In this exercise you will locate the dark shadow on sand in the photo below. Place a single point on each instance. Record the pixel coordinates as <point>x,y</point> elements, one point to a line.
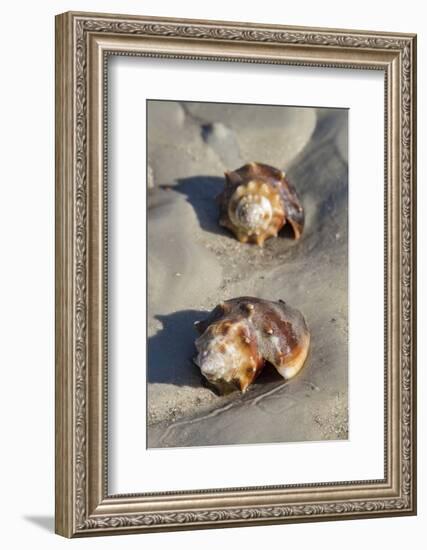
<point>202,192</point>
<point>171,351</point>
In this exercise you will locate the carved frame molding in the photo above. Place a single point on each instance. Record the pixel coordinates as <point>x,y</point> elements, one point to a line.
<point>83,43</point>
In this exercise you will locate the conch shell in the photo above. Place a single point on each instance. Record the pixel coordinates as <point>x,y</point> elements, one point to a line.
<point>257,202</point>
<point>241,334</point>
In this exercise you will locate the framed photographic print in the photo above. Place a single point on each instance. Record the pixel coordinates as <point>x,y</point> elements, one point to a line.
<point>201,261</point>
<point>235,274</point>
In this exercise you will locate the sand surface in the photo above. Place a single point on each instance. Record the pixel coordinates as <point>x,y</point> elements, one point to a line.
<point>194,264</point>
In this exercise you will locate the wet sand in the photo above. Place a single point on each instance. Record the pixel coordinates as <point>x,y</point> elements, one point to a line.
<point>194,264</point>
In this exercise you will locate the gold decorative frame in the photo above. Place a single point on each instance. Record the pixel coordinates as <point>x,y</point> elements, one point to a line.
<point>83,43</point>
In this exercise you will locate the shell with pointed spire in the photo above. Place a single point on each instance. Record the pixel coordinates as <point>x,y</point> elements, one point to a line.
<point>240,335</point>
<point>257,202</point>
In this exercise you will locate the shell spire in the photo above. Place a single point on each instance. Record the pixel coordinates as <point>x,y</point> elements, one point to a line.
<point>256,203</point>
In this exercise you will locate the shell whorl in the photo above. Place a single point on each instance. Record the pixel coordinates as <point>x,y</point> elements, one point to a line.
<point>252,208</point>
<point>241,334</point>
<point>257,202</point>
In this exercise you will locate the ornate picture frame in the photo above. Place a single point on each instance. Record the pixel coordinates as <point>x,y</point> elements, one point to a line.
<point>84,506</point>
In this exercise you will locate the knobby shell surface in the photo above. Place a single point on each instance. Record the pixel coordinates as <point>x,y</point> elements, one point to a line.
<point>257,201</point>
<point>240,335</point>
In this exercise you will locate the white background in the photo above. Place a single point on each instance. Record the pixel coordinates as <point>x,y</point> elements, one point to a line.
<point>362,456</point>
<point>27,274</point>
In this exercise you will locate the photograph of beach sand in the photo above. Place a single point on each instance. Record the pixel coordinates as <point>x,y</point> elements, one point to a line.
<point>196,263</point>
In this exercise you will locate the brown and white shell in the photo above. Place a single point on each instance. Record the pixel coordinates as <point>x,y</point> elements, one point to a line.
<point>257,201</point>
<point>240,335</point>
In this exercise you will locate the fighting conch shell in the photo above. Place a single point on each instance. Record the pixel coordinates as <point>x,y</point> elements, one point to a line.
<point>240,335</point>
<point>256,203</point>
